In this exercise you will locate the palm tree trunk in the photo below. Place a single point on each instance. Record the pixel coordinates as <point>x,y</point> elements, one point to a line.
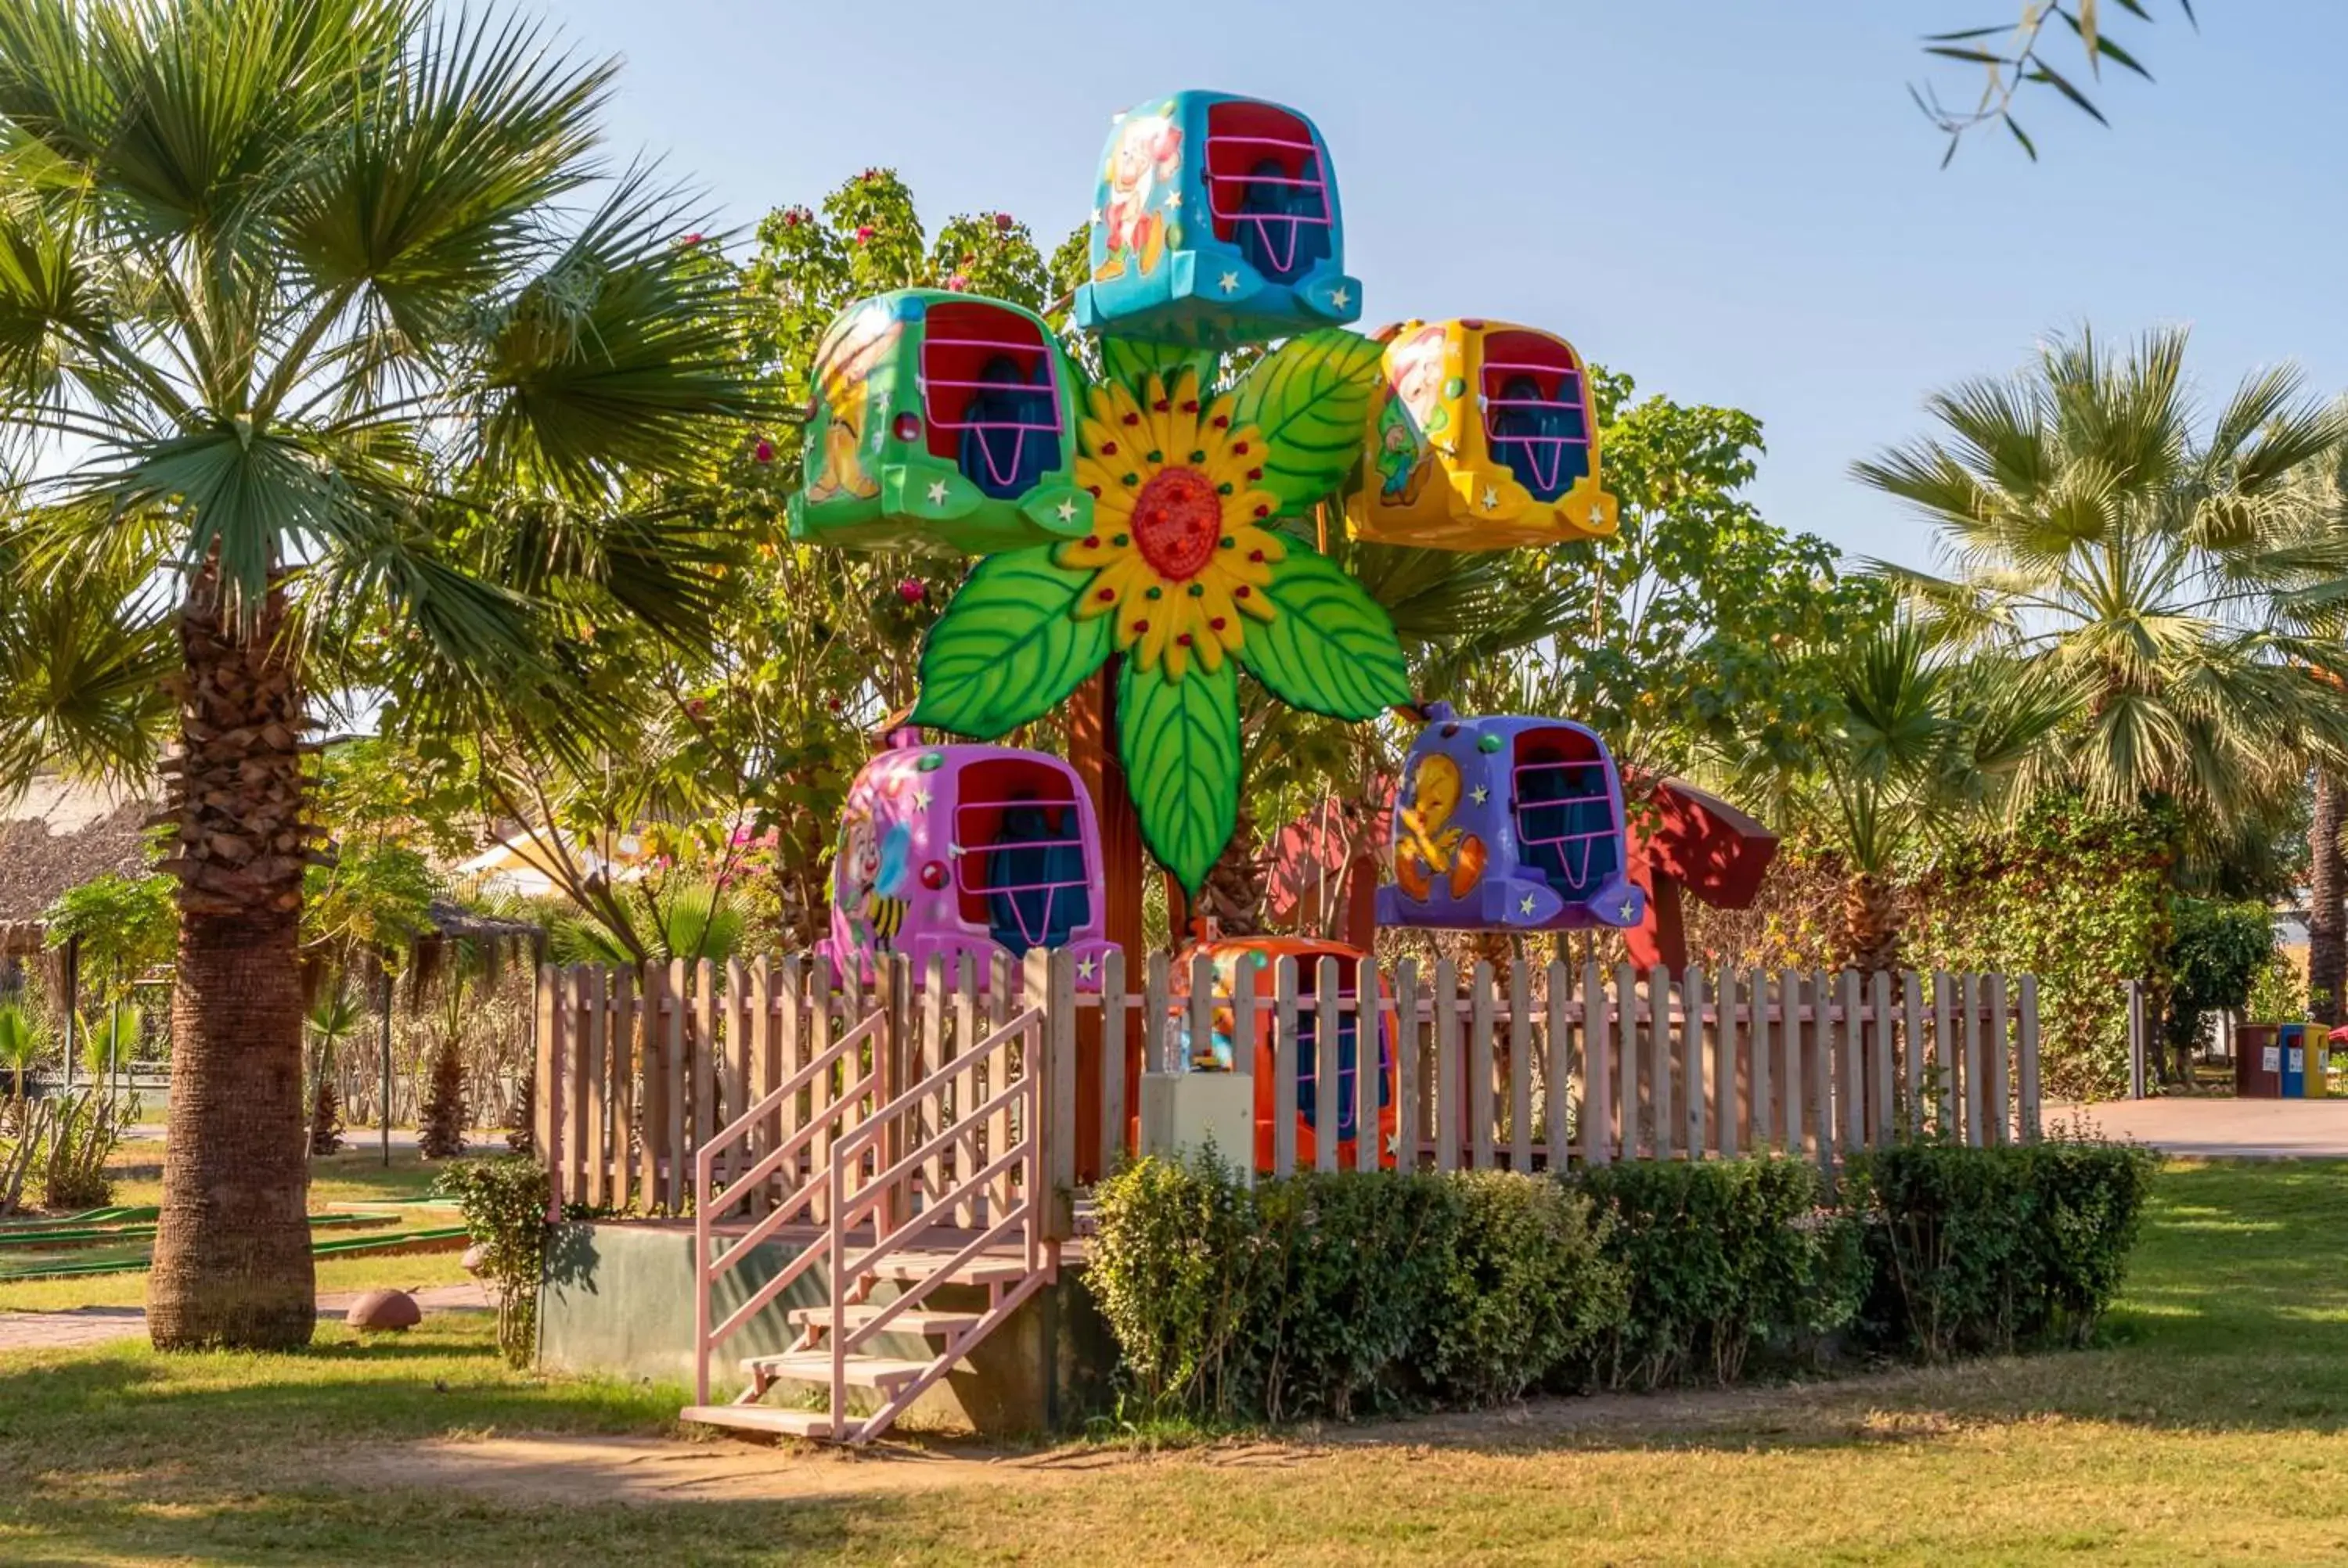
<point>1233,894</point>
<point>2327,932</point>
<point>232,1263</point>
<point>1870,920</point>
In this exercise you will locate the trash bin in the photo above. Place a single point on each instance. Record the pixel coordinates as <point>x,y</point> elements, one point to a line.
<point>2258,1061</point>
<point>2293,1039</point>
<point>2319,1063</point>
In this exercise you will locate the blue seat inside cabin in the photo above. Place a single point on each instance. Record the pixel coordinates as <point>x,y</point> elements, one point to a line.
<point>1546,447</point>
<point>1294,233</point>
<point>1002,459</point>
<point>1556,803</point>
<point>1039,864</point>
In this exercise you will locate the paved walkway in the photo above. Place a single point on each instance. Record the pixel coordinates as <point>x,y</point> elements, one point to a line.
<point>2220,1129</point>
<point>97,1325</point>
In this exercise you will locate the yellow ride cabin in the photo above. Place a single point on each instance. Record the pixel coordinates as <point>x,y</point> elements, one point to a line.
<point>1483,437</point>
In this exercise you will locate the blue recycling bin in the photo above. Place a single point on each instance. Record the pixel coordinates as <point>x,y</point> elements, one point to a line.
<point>2293,1039</point>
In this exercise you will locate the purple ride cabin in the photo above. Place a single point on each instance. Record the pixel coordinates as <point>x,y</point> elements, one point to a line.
<point>953,851</point>
<point>1508,824</point>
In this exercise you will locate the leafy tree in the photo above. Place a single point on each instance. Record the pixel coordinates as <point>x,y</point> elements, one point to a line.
<point>389,383</point>
<point>2216,953</point>
<point>126,925</point>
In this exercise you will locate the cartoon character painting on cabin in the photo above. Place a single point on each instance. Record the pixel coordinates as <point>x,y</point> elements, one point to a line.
<point>1412,414</point>
<point>1428,846</point>
<point>1145,155</point>
<point>869,880</point>
<point>838,423</point>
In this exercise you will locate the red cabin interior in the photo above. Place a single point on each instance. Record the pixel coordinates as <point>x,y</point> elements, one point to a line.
<point>988,790</point>
<point>961,338</point>
<point>1243,141</point>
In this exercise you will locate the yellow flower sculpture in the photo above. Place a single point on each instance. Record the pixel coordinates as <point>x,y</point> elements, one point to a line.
<point>1185,574</point>
<point>1179,551</point>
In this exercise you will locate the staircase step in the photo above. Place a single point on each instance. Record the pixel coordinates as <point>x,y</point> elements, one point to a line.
<point>884,1372</point>
<point>814,1424</point>
<point>909,1266</point>
<point>912,1321</point>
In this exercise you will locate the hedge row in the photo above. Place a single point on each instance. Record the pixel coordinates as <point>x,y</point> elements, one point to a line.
<point>1336,1295</point>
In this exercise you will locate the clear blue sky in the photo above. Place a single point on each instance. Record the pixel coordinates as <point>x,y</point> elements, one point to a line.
<point>1732,200</point>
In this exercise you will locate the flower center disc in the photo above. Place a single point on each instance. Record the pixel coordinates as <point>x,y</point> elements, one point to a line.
<point>1177,519</point>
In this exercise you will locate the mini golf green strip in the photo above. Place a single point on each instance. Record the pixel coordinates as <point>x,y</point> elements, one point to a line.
<point>339,1247</point>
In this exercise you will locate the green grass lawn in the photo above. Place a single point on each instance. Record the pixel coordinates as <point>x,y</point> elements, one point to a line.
<point>2210,1428</point>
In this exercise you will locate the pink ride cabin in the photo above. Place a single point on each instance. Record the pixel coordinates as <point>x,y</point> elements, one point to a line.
<point>949,852</point>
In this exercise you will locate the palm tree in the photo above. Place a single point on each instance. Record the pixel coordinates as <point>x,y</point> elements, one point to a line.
<point>22,1040</point>
<point>2101,534</point>
<point>1918,743</point>
<point>344,344</point>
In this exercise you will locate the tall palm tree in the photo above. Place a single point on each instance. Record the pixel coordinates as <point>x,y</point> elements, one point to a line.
<point>2100,532</point>
<point>340,338</point>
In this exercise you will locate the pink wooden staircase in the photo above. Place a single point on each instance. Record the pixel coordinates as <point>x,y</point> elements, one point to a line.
<point>941,1185</point>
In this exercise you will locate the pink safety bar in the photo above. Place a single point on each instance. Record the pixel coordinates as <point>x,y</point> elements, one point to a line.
<point>1001,473</point>
<point>1588,841</point>
<point>1283,246</point>
<point>1547,452</point>
<point>1051,890</point>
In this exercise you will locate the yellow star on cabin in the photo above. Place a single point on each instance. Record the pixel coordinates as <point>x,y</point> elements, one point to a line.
<point>921,800</point>
<point>937,492</point>
<point>1340,297</point>
<point>1173,198</point>
<point>1229,282</point>
<point>1525,904</point>
<point>1491,498</point>
<point>1067,510</point>
<point>1479,794</point>
<point>1084,968</point>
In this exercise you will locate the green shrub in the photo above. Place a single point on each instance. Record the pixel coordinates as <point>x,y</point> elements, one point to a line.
<point>1720,1257</point>
<point>1328,1294</point>
<point>504,1204</point>
<point>1992,1250</point>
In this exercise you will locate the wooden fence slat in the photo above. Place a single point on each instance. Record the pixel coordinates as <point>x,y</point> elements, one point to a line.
<point>823,1099</point>
<point>2025,1051</point>
<point>1000,1005</point>
<point>1202,1011</point>
<point>1762,1120</point>
<point>2001,1110</point>
<point>675,1098</point>
<point>1912,987</point>
<point>1559,1074</point>
<point>758,1076</point>
<point>1113,1009</point>
<point>1597,1074</point>
<point>1879,1126</point>
<point>1408,1130</point>
<point>1728,1101</point>
<point>1852,1096</point>
<point>969,1089</point>
<point>597,1145</point>
<point>1975,1108</point>
<point>1521,1065</point>
<point>1059,1100</point>
<point>1285,1075</point>
<point>929,1023</point>
<point>1695,1135</point>
<point>651,1114</point>
<point>546,1091</point>
<point>704,1050</point>
<point>1659,1062</point>
<point>1945,1056</point>
<point>1480,1114</point>
<point>1244,1014</point>
<point>1157,1008</point>
<point>1450,1064</point>
<point>1790,1085</point>
<point>1627,1093</point>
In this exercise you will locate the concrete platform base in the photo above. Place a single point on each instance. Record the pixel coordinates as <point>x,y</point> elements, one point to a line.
<point>2218,1129</point>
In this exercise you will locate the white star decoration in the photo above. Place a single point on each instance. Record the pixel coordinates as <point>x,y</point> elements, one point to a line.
<point>1479,794</point>
<point>1629,904</point>
<point>955,852</point>
<point>1068,509</point>
<point>1526,903</point>
<point>1229,282</point>
<point>1491,498</point>
<point>1173,198</point>
<point>1340,298</point>
<point>1085,969</point>
<point>937,492</point>
<point>921,800</point>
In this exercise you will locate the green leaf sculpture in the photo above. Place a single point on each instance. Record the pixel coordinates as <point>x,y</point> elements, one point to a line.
<point>1310,398</point>
<point>1010,650</point>
<point>1328,648</point>
<point>1179,742</point>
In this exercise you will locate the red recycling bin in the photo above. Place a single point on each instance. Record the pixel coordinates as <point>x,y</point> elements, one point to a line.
<point>2258,1061</point>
